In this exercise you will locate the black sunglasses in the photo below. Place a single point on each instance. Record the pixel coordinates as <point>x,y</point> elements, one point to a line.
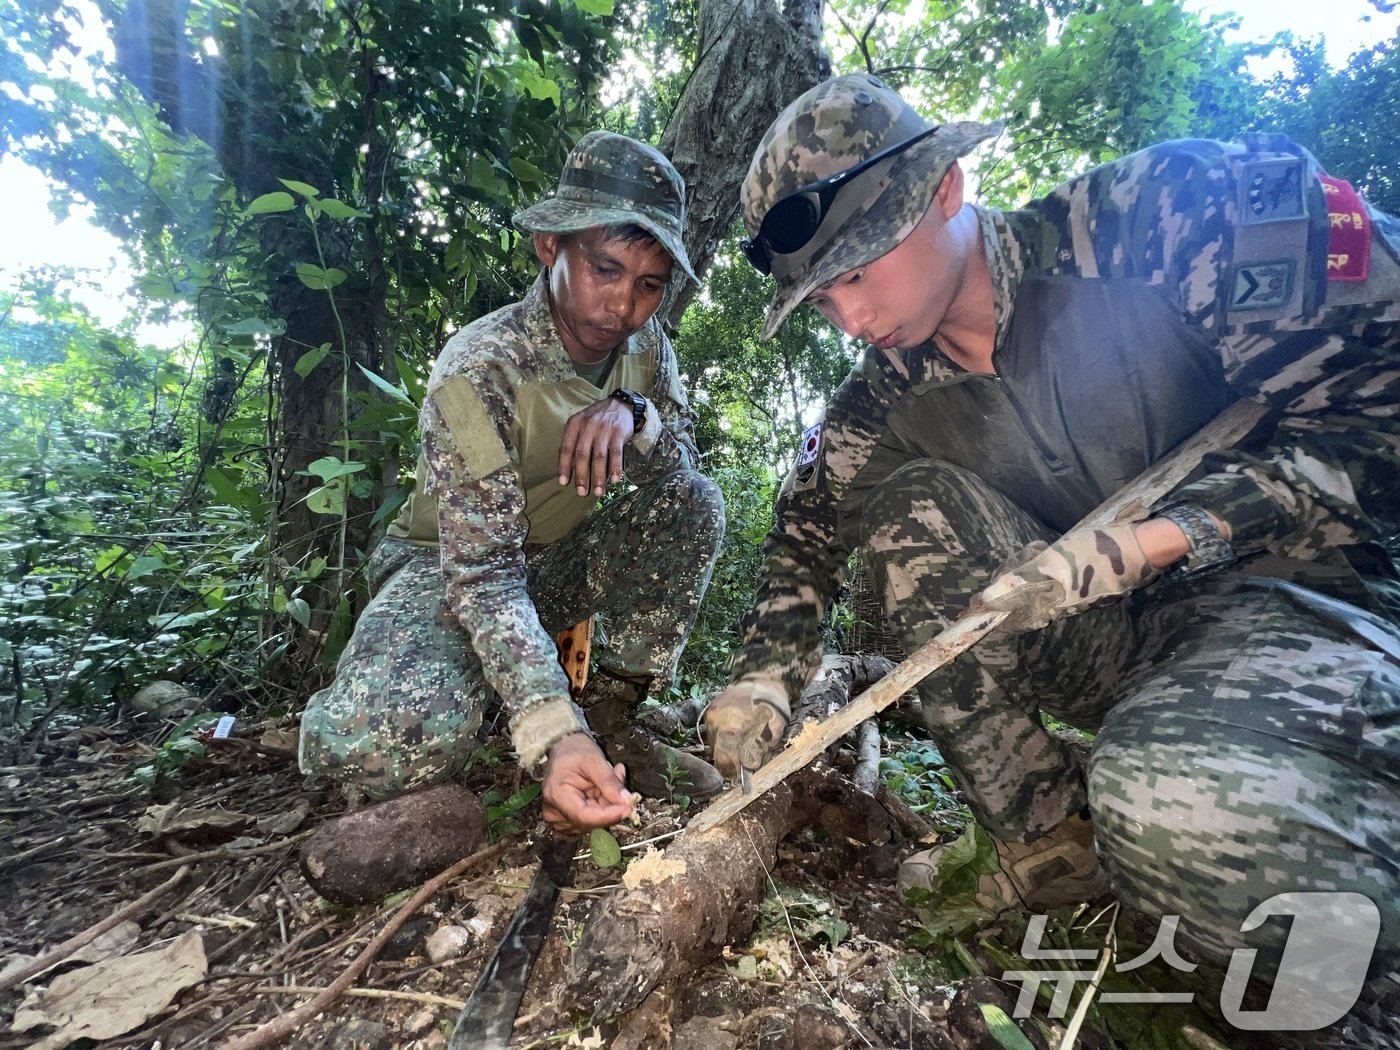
<point>794,220</point>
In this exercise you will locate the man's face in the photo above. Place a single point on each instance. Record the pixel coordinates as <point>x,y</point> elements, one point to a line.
<point>902,298</point>
<point>601,289</point>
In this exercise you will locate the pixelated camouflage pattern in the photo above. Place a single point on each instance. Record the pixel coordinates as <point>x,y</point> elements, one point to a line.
<point>613,180</point>
<point>1117,282</point>
<point>409,691</point>
<point>1264,694</point>
<point>1245,740</point>
<point>473,508</point>
<point>830,128</point>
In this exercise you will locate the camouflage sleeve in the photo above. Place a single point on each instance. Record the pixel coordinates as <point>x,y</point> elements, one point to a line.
<point>471,470</point>
<point>805,553</point>
<point>666,441</point>
<point>1327,359</point>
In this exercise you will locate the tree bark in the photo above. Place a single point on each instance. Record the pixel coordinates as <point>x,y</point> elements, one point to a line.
<point>753,58</point>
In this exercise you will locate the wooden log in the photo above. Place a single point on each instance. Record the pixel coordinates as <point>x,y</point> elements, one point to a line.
<point>677,910</point>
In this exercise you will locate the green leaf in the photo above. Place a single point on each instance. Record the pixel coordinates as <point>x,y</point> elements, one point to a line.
<point>321,280</point>
<point>537,86</point>
<point>604,849</point>
<point>300,611</point>
<point>384,385</point>
<point>307,362</point>
<point>328,468</point>
<point>1003,1029</point>
<point>256,326</point>
<point>601,8</point>
<point>305,189</point>
<point>328,499</point>
<point>339,209</point>
<point>145,567</point>
<point>271,202</point>
<point>526,172</point>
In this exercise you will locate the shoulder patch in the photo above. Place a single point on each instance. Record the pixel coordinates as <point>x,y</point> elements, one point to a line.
<point>1273,191</point>
<point>804,471</point>
<point>1261,286</point>
<point>473,430</point>
<point>1348,231</point>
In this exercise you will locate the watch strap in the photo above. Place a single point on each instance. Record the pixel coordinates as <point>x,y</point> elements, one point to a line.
<point>1210,550</point>
<point>638,403</point>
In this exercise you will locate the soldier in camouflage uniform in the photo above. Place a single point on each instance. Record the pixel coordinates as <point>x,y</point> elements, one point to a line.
<point>1235,650</point>
<point>503,544</point>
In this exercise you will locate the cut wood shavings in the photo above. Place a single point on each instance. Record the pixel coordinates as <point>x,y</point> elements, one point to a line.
<point>651,866</point>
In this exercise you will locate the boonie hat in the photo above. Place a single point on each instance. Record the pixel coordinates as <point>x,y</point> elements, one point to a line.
<point>612,180</point>
<point>836,126</point>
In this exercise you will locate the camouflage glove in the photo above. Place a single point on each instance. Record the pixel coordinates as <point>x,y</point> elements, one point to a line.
<point>744,724</point>
<point>1083,569</point>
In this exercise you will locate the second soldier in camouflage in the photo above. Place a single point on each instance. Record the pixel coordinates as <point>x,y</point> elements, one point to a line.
<point>1235,650</point>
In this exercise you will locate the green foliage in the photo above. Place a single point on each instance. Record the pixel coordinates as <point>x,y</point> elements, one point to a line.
<point>1348,117</point>
<point>787,911</point>
<point>919,776</point>
<point>603,848</point>
<point>501,811</point>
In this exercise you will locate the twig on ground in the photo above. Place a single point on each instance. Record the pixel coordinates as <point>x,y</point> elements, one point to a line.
<point>68,947</point>
<point>1110,948</point>
<point>225,854</point>
<point>270,1034</point>
<point>364,993</point>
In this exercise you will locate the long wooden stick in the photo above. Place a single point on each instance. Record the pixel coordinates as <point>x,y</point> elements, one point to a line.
<point>68,947</point>
<point>962,634</point>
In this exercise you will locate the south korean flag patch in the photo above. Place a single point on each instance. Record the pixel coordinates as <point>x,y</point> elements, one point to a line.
<point>804,471</point>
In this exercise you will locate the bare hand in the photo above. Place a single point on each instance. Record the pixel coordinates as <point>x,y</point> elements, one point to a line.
<point>581,791</point>
<point>590,455</point>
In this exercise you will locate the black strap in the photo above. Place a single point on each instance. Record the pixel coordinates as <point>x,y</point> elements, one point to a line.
<point>629,189</point>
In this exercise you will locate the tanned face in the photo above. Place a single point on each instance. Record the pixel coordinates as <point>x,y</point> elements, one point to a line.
<point>602,289</point>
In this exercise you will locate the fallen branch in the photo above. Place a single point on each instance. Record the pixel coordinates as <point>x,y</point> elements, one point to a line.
<point>225,854</point>
<point>363,993</point>
<point>68,947</point>
<point>284,1026</point>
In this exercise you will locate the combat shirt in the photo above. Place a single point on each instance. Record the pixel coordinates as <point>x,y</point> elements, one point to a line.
<point>492,421</point>
<point>1131,305</point>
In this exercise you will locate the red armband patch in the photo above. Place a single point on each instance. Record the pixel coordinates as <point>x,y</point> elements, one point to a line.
<point>1348,231</point>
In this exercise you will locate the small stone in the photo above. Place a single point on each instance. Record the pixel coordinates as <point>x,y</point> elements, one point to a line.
<point>389,846</point>
<point>164,700</point>
<point>815,1029</point>
<point>361,1035</point>
<point>448,942</point>
<point>419,1022</point>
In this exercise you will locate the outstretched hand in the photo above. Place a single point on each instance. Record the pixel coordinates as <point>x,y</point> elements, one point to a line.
<point>590,454</point>
<point>581,790</point>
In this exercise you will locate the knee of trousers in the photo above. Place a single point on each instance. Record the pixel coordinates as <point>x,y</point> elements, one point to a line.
<point>696,498</point>
<point>938,499</point>
<point>406,701</point>
<point>1211,823</point>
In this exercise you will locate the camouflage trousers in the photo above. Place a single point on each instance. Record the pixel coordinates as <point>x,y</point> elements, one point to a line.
<point>1247,740</point>
<point>409,695</point>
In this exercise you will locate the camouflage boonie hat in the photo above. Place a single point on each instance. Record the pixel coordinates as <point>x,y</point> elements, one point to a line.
<point>831,128</point>
<point>612,180</point>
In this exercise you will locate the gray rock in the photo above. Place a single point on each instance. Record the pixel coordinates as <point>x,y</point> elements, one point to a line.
<point>361,1035</point>
<point>448,942</point>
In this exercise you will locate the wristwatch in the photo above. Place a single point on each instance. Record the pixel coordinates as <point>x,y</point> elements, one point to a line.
<point>1209,549</point>
<point>638,403</point>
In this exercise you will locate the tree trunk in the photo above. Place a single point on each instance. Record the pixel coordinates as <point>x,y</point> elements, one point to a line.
<point>753,58</point>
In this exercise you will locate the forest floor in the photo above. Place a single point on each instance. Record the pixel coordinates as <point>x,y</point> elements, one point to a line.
<point>241,938</point>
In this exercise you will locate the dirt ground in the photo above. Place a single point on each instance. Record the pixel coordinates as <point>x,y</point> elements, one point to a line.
<point>245,939</point>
